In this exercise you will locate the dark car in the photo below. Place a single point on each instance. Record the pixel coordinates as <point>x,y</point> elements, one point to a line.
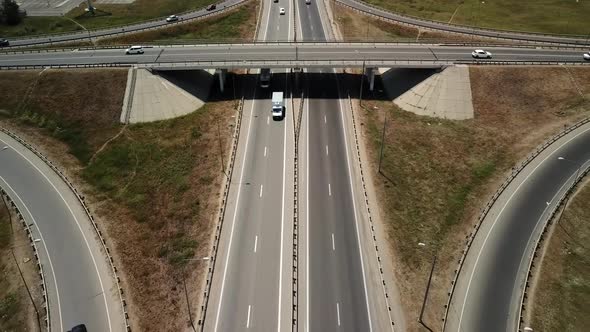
<point>211,7</point>
<point>79,328</point>
<point>4,42</point>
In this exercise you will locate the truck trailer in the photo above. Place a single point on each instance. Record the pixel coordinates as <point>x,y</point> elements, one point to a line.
<point>278,106</point>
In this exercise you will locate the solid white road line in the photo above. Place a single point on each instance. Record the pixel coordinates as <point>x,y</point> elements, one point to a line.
<point>46,251</point>
<point>338,312</point>
<point>255,242</point>
<point>248,319</point>
<point>358,236</point>
<point>282,226</point>
<point>498,217</point>
<point>231,235</point>
<point>261,186</point>
<point>333,245</point>
<point>329,190</point>
<point>79,227</point>
<point>307,216</point>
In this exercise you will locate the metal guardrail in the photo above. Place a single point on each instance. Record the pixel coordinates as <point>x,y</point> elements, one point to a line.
<point>547,223</point>
<point>477,31</point>
<point>29,232</point>
<point>89,215</point>
<point>292,63</point>
<point>221,216</point>
<point>513,174</point>
<point>157,19</point>
<point>368,209</point>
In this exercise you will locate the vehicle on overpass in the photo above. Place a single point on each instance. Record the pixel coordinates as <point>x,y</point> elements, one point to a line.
<point>172,18</point>
<point>134,50</point>
<point>586,56</point>
<point>211,7</point>
<point>265,77</point>
<point>278,106</point>
<point>481,54</point>
<point>4,42</point>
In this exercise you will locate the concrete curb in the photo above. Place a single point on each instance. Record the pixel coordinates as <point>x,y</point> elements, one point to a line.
<point>129,93</point>
<point>89,215</point>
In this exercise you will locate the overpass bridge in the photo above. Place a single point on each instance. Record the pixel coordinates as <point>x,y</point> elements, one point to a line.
<point>223,57</point>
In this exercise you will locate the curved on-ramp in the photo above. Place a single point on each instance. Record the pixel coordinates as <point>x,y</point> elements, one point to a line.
<point>488,291</point>
<point>80,285</point>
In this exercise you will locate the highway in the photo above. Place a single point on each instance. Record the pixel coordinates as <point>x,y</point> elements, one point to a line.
<point>252,284</point>
<point>490,285</point>
<point>80,284</point>
<point>322,54</point>
<point>338,292</point>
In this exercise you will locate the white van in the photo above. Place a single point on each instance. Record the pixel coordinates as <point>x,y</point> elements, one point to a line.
<point>134,50</point>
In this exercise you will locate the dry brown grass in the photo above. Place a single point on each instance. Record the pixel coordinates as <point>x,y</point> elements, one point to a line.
<point>154,189</point>
<point>437,174</point>
<point>16,309</point>
<point>561,299</point>
<point>358,27</point>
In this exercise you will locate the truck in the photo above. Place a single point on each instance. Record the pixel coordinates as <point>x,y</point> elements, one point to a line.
<point>278,106</point>
<point>265,77</point>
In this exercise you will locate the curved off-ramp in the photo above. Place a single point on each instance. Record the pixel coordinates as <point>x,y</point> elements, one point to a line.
<point>489,287</point>
<point>80,284</point>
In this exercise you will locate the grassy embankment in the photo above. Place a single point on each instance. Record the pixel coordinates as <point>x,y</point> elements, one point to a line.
<point>153,187</point>
<point>153,184</point>
<point>358,27</point>
<point>107,16</point>
<point>547,16</point>
<point>437,174</point>
<point>562,293</point>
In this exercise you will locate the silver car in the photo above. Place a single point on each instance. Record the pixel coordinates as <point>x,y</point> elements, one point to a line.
<point>481,54</point>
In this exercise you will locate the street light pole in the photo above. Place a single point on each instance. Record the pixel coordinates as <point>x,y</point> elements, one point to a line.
<point>382,142</point>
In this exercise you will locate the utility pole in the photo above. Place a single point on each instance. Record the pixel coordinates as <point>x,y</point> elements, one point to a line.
<point>382,142</point>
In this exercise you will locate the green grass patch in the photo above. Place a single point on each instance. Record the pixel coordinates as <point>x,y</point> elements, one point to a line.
<point>35,25</point>
<point>106,16</point>
<point>239,24</point>
<point>562,294</point>
<point>546,16</point>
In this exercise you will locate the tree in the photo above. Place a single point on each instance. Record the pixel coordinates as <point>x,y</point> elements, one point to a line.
<point>11,12</point>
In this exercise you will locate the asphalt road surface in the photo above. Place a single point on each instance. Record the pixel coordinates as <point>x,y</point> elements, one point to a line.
<point>335,294</point>
<point>85,35</point>
<point>329,53</point>
<point>489,288</point>
<point>519,36</point>
<point>80,284</point>
<point>252,288</point>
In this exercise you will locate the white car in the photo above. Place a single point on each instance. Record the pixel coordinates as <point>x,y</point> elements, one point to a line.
<point>282,11</point>
<point>172,18</point>
<point>308,2</point>
<point>586,56</point>
<point>481,54</point>
<point>134,50</point>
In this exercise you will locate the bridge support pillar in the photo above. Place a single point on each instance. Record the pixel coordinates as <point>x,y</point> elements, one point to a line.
<point>222,74</point>
<point>370,73</point>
